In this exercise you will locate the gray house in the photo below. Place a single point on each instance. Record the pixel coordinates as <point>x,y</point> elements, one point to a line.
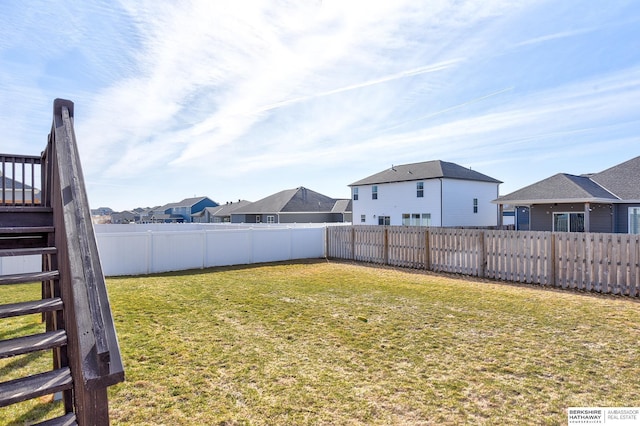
<point>608,201</point>
<point>123,217</point>
<point>220,214</point>
<point>298,205</point>
<point>14,191</point>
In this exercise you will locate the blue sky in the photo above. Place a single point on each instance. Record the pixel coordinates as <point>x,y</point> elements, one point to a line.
<point>244,99</point>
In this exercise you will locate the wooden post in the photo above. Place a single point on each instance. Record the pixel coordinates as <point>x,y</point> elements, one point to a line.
<point>326,242</point>
<point>482,254</point>
<point>552,261</point>
<point>385,246</point>
<point>353,242</point>
<point>427,254</point>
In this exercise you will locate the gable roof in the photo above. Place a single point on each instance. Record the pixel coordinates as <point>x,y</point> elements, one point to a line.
<point>223,210</point>
<point>426,170</point>
<point>622,180</point>
<point>341,206</point>
<point>618,183</point>
<point>298,199</point>
<point>187,202</point>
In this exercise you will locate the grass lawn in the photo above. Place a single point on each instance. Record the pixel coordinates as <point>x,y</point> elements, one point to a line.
<point>341,344</point>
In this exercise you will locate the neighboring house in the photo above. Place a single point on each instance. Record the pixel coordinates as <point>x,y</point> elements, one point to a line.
<point>15,192</point>
<point>183,211</point>
<point>431,193</point>
<point>123,217</point>
<point>299,205</point>
<point>101,211</point>
<point>608,201</point>
<point>220,214</point>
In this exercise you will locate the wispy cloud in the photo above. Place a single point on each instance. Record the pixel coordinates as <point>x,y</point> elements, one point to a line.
<point>214,91</point>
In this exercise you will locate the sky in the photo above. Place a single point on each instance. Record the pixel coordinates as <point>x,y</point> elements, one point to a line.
<point>242,99</point>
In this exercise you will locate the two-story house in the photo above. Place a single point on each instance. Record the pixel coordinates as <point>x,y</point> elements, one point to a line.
<point>431,193</point>
<point>183,211</point>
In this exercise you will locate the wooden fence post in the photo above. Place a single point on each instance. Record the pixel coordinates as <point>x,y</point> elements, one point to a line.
<point>353,243</point>
<point>385,246</point>
<point>326,242</point>
<point>482,255</point>
<point>552,261</point>
<point>427,255</point>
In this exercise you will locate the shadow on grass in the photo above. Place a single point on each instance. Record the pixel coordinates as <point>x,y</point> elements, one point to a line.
<point>30,328</point>
<point>19,362</point>
<point>38,413</point>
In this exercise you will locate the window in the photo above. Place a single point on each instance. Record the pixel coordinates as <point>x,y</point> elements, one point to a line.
<point>355,194</point>
<point>475,205</point>
<point>568,222</point>
<point>384,220</point>
<point>363,218</point>
<point>271,219</point>
<point>374,192</point>
<point>634,220</point>
<point>416,219</point>
<point>258,218</point>
<point>419,189</point>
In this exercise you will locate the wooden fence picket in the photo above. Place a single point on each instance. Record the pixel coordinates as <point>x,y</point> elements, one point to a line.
<point>606,263</point>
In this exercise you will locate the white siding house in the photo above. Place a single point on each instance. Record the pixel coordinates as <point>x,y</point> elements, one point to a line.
<point>432,193</point>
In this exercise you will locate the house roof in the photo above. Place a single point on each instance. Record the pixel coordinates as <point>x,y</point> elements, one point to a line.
<point>222,210</point>
<point>426,170</point>
<point>298,199</point>
<point>187,202</point>
<point>622,180</point>
<point>618,183</point>
<point>341,206</point>
<point>9,183</point>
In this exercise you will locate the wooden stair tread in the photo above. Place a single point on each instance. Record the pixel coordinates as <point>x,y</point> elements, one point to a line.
<point>31,307</point>
<point>20,230</point>
<point>27,251</point>
<point>25,209</point>
<point>32,343</point>
<point>30,387</point>
<point>28,277</point>
<point>66,420</point>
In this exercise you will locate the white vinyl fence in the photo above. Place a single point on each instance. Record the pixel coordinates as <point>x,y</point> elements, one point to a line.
<point>151,251</point>
<point>146,249</point>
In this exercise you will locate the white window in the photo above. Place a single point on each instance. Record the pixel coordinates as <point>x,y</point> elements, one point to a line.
<point>634,220</point>
<point>258,218</point>
<point>475,205</point>
<point>384,220</point>
<point>271,219</point>
<point>374,192</point>
<point>363,218</point>
<point>416,219</point>
<point>355,194</point>
<point>419,189</point>
<point>568,222</point>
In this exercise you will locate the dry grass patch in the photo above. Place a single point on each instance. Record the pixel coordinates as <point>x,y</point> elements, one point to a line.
<point>336,343</point>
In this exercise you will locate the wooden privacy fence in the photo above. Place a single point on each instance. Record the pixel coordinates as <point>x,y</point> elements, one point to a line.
<point>606,263</point>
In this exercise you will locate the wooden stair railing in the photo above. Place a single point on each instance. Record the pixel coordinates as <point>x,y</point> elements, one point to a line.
<point>79,326</point>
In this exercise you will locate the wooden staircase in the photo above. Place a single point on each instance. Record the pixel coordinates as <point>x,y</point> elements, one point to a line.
<point>55,226</point>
